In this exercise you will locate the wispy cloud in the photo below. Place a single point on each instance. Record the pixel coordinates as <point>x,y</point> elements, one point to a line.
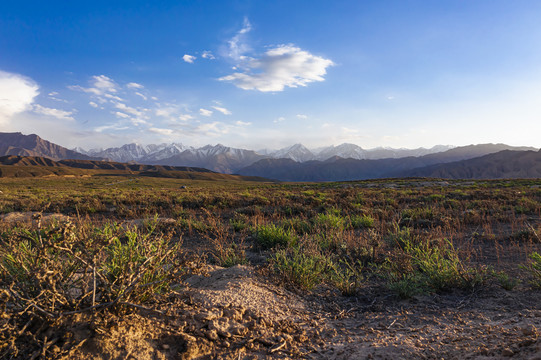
<point>56,113</point>
<point>242,123</point>
<point>280,67</point>
<point>237,45</point>
<point>166,132</point>
<point>116,127</point>
<point>222,110</point>
<point>189,58</point>
<point>205,112</point>
<point>17,93</point>
<point>280,119</point>
<point>302,116</point>
<point>100,85</point>
<point>141,95</point>
<point>128,109</point>
<point>121,115</point>
<point>134,85</point>
<point>208,55</point>
<point>185,117</point>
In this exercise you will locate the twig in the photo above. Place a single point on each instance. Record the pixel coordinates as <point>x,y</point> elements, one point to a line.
<point>534,232</point>
<point>31,304</point>
<point>140,307</point>
<point>94,283</point>
<point>276,348</point>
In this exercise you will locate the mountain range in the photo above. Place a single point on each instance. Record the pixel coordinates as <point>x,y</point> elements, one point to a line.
<point>340,169</point>
<point>294,163</point>
<point>230,160</point>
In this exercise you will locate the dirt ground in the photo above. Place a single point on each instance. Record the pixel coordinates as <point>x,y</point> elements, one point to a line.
<point>236,313</point>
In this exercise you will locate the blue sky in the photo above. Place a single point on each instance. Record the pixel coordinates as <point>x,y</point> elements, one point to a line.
<point>267,74</point>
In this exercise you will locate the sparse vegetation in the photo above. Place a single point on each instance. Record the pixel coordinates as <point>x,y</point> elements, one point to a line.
<point>127,246</point>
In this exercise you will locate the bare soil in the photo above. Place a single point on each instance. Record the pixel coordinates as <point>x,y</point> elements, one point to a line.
<point>237,313</point>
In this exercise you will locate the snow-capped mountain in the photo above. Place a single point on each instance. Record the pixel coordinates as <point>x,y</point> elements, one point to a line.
<point>228,159</point>
<point>391,153</point>
<point>346,151</point>
<point>219,158</point>
<point>136,152</point>
<point>297,152</point>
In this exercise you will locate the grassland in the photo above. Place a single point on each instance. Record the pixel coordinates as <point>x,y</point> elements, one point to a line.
<point>348,251</point>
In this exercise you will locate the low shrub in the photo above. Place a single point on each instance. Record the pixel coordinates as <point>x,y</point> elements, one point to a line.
<point>269,236</point>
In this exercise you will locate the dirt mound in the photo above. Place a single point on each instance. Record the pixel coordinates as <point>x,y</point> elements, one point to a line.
<point>239,286</point>
<point>30,217</point>
<point>229,314</point>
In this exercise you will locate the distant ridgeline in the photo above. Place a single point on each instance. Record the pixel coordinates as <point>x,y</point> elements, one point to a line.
<point>294,163</point>
<point>30,166</point>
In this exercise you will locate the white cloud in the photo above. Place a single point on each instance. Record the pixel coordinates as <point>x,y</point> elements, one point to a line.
<point>56,113</point>
<point>185,117</point>
<point>242,123</point>
<point>17,93</point>
<point>128,109</point>
<point>104,83</point>
<point>280,67</point>
<point>134,85</point>
<point>161,131</point>
<point>280,119</point>
<point>100,85</point>
<point>189,58</point>
<point>141,95</point>
<point>110,127</point>
<point>237,44</point>
<point>222,110</point>
<point>207,55</point>
<point>93,104</point>
<point>121,115</point>
<point>213,129</point>
<point>205,112</point>
<point>113,97</point>
<point>302,116</point>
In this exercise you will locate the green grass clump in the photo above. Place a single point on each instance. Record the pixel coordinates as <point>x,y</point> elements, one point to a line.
<point>361,222</point>
<point>347,276</point>
<point>534,269</point>
<point>269,236</point>
<point>331,220</point>
<point>299,268</point>
<point>430,267</point>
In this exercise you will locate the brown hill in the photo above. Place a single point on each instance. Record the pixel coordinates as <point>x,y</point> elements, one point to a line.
<point>19,166</point>
<point>32,145</point>
<point>504,164</point>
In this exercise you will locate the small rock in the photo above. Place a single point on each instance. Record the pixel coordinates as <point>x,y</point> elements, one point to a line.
<point>529,330</point>
<point>507,352</point>
<point>225,334</point>
<point>212,335</point>
<point>252,325</point>
<point>239,330</point>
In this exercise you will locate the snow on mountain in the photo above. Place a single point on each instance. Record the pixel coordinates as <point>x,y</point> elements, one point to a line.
<point>227,159</point>
<point>392,153</point>
<point>345,151</point>
<point>297,152</point>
